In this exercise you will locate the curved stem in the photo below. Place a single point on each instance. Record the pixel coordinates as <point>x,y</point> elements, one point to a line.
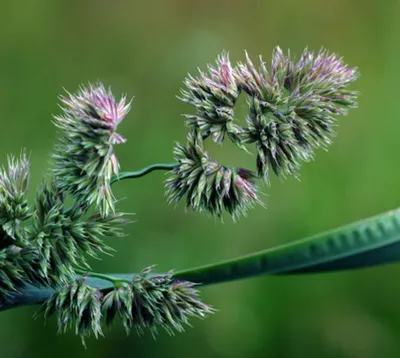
<point>135,174</point>
<point>142,172</point>
<point>114,280</point>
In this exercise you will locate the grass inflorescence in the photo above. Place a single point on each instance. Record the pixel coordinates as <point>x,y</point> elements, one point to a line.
<point>292,110</point>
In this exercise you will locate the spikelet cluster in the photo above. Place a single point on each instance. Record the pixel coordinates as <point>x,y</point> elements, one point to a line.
<point>208,186</point>
<point>292,110</point>
<point>14,208</point>
<point>64,239</point>
<point>214,96</point>
<point>18,261</point>
<point>293,107</point>
<point>84,157</point>
<point>147,302</point>
<point>18,266</point>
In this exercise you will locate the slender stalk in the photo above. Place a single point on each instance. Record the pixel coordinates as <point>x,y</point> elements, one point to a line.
<point>142,172</point>
<point>135,174</point>
<point>114,280</point>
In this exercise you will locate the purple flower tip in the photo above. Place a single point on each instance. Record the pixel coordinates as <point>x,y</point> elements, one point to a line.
<point>108,108</point>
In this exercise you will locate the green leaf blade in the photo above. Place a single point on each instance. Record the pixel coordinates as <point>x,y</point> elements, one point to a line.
<point>366,243</point>
<point>370,242</point>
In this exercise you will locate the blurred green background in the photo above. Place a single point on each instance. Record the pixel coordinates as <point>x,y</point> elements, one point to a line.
<point>145,49</point>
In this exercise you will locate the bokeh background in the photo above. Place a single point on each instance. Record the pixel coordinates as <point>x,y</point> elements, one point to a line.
<point>145,49</point>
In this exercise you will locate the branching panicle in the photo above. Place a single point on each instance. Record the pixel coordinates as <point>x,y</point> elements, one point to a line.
<point>292,110</point>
